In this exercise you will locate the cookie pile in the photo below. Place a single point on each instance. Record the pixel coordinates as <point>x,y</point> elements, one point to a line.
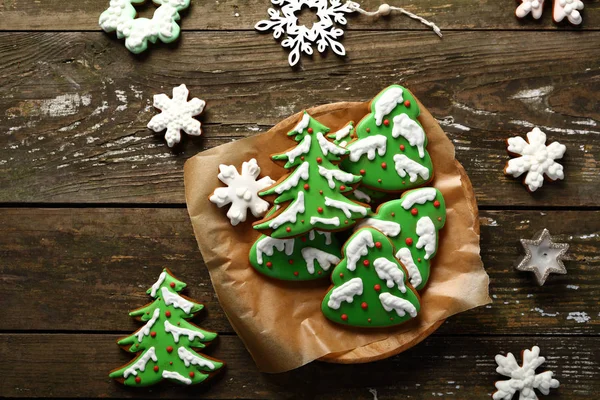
<point>323,222</point>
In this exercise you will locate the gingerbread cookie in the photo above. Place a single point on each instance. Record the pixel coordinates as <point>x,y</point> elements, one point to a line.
<point>390,152</point>
<point>314,195</point>
<point>165,344</point>
<point>412,223</point>
<point>369,285</point>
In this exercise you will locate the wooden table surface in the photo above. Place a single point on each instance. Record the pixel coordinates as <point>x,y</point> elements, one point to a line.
<point>92,203</point>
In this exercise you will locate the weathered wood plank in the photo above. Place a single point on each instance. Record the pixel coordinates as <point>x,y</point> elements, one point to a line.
<point>58,263</point>
<point>228,14</point>
<point>74,106</point>
<point>42,365</point>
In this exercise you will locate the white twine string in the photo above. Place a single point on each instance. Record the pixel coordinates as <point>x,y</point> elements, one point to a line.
<point>386,9</point>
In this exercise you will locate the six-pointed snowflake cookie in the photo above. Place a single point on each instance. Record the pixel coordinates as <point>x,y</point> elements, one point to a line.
<point>241,191</point>
<point>300,38</point>
<point>569,9</point>
<point>535,158</point>
<point>177,114</point>
<point>523,379</point>
<point>120,17</point>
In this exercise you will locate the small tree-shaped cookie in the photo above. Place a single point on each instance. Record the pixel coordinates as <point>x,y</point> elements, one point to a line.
<point>165,344</point>
<point>369,285</point>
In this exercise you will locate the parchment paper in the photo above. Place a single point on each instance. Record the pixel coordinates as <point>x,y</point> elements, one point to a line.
<point>281,322</point>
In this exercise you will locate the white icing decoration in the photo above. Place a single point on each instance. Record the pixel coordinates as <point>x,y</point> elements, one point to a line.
<point>267,245</point>
<point>176,300</point>
<point>360,195</point>
<point>342,133</point>
<point>140,364</point>
<point>347,208</point>
<point>176,376</point>
<point>390,273</point>
<point>411,131</point>
<point>343,143</point>
<point>176,114</point>
<point>345,292</point>
<point>329,147</point>
<point>358,247</point>
<point>535,158</point>
<point>292,181</point>
<point>340,175</point>
<point>326,234</point>
<point>387,102</point>
<point>290,214</point>
<point>156,286</point>
<point>569,9</point>
<point>405,165</point>
<point>523,379</point>
<point>303,124</point>
<point>401,306</point>
<point>190,358</point>
<point>325,260</point>
<point>535,7</point>
<point>177,332</point>
<point>241,191</point>
<point>406,259</point>
<point>145,330</point>
<point>302,148</point>
<point>388,228</point>
<point>426,232</point>
<point>327,221</point>
<point>368,146</point>
<point>418,196</point>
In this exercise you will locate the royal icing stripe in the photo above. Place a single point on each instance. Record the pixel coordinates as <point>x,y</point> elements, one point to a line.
<point>328,147</point>
<point>290,214</point>
<point>177,332</point>
<point>345,292</point>
<point>426,232</point>
<point>388,228</point>
<point>411,131</point>
<point>340,175</point>
<point>368,146</point>
<point>346,208</point>
<point>358,247</point>
<point>327,221</point>
<point>190,358</point>
<point>407,260</point>
<point>360,195</point>
<point>145,331</point>
<point>302,148</point>
<point>140,364</point>
<point>325,260</point>
<point>156,286</point>
<point>267,246</point>
<point>176,376</point>
<point>311,236</point>
<point>418,196</point>
<point>405,165</point>
<point>401,306</point>
<point>342,133</point>
<point>387,102</point>
<point>176,300</point>
<point>292,181</point>
<point>390,273</point>
<point>303,124</point>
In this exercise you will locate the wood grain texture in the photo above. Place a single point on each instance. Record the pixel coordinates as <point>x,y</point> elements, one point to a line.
<point>65,265</point>
<point>229,14</point>
<point>74,106</point>
<point>450,367</point>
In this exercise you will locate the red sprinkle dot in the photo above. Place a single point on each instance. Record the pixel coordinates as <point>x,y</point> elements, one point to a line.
<point>414,211</point>
<point>172,284</point>
<point>386,122</point>
<point>156,368</point>
<point>319,272</point>
<point>302,221</point>
<point>404,182</point>
<point>138,379</point>
<point>342,187</point>
<point>407,103</point>
<point>379,180</point>
<point>436,204</point>
<point>344,317</point>
<point>170,362</point>
<point>153,334</point>
<point>362,171</point>
<point>168,313</point>
<point>192,374</point>
<point>378,245</point>
<point>169,349</point>
<point>439,218</point>
<point>320,210</point>
<point>310,130</point>
<point>368,130</point>
<point>288,229</point>
<point>302,158</point>
<point>393,214</point>
<point>346,222</point>
<point>391,318</point>
<point>369,320</point>
<point>319,160</point>
<point>269,264</point>
<point>377,287</point>
<point>402,147</point>
<point>366,263</point>
<point>306,187</point>
<point>303,238</point>
<point>409,241</point>
<point>296,273</point>
<point>383,165</point>
<point>364,305</point>
<point>320,192</point>
<point>291,262</point>
<point>419,259</point>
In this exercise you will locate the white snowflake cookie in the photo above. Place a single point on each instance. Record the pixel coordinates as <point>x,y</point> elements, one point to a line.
<point>298,37</point>
<point>241,191</point>
<point>176,115</point>
<point>523,379</point>
<point>535,158</point>
<point>569,9</point>
<point>535,7</point>
<point>120,17</point>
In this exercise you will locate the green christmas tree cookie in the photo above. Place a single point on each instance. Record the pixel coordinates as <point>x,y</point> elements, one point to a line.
<point>344,135</point>
<point>313,196</point>
<point>390,152</point>
<point>412,223</point>
<point>369,285</point>
<point>165,344</point>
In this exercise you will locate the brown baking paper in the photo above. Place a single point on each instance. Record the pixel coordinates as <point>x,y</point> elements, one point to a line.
<point>281,322</point>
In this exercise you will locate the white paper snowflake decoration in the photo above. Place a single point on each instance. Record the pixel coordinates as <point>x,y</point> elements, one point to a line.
<point>241,191</point>
<point>176,115</point>
<point>523,379</point>
<point>535,158</point>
